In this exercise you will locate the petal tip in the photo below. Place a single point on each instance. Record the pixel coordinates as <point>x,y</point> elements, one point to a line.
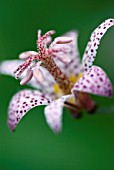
<point>11,127</point>
<point>57,129</point>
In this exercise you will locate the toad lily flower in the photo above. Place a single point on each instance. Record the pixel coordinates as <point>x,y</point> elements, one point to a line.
<point>62,80</point>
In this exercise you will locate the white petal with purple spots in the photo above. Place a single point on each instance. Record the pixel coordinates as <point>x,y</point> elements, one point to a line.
<point>93,44</point>
<point>7,67</point>
<point>94,81</point>
<point>22,102</point>
<point>53,113</point>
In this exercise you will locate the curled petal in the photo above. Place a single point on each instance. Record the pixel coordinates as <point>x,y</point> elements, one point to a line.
<point>22,102</point>
<point>53,113</point>
<point>27,78</point>
<point>27,54</point>
<point>94,81</point>
<point>93,44</point>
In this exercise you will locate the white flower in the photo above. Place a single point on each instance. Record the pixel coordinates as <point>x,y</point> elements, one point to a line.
<point>60,77</point>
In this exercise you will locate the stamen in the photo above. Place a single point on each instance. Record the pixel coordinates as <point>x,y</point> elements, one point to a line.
<point>48,40</point>
<point>23,66</point>
<point>38,73</point>
<point>27,78</point>
<point>45,55</point>
<point>63,40</point>
<point>73,106</point>
<point>84,100</point>
<point>59,77</point>
<point>48,34</point>
<point>40,44</point>
<point>39,34</point>
<point>27,54</point>
<point>60,54</point>
<point>74,109</point>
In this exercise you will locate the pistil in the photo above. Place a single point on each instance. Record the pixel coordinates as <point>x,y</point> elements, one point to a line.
<point>60,78</point>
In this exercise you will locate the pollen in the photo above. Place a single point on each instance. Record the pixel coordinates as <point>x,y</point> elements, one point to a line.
<point>57,88</point>
<point>72,100</point>
<point>74,79</point>
<point>58,91</point>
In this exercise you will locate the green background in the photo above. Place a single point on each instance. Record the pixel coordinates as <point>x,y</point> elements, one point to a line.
<point>87,143</point>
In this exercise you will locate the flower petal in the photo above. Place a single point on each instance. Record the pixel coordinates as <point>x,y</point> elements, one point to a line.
<point>48,84</point>
<point>7,67</point>
<point>93,44</point>
<point>53,113</point>
<point>73,67</point>
<point>94,81</point>
<point>22,102</point>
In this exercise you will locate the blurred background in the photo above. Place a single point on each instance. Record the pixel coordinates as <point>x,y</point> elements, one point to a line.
<point>87,143</point>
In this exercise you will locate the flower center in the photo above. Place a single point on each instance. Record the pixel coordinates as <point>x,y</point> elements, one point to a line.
<point>58,91</point>
<point>61,79</point>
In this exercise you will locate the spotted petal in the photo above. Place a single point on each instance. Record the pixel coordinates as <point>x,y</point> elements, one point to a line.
<point>73,67</point>
<point>7,67</point>
<point>22,102</point>
<point>94,81</point>
<point>53,113</point>
<point>93,44</point>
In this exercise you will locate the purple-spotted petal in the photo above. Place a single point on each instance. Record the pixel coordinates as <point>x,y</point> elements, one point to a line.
<point>73,67</point>
<point>93,44</point>
<point>53,113</point>
<point>22,102</point>
<point>94,81</point>
<point>7,67</point>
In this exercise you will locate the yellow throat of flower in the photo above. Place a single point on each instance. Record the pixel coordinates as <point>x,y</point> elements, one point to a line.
<point>73,79</point>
